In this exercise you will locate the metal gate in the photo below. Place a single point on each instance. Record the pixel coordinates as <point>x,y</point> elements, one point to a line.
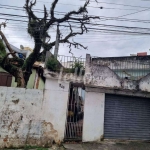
<point>127,118</point>
<point>74,123</point>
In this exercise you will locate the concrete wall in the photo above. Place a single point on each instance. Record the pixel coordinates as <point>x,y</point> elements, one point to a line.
<point>126,62</point>
<point>93,125</point>
<point>101,76</point>
<point>133,67</point>
<point>21,120</point>
<point>32,117</point>
<point>55,104</point>
<point>144,84</point>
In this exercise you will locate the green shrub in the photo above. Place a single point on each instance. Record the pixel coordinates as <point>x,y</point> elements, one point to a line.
<point>78,65</point>
<point>52,64</point>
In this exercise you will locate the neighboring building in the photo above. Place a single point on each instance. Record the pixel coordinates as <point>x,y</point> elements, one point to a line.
<point>131,67</point>
<point>36,80</point>
<point>117,98</point>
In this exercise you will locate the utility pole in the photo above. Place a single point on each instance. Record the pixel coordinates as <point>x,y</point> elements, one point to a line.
<point>57,42</point>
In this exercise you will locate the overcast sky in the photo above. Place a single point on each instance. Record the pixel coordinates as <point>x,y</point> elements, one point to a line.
<point>99,43</point>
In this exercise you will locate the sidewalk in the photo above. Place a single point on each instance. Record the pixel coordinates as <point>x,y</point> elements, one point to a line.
<point>106,145</point>
<point>109,146</point>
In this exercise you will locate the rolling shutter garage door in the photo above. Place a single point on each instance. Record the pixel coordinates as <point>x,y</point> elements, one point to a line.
<point>127,118</point>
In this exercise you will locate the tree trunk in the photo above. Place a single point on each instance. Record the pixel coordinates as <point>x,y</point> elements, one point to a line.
<point>28,64</point>
<point>20,79</point>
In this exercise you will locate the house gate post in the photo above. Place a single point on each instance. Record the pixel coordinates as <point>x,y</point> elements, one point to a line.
<point>55,106</point>
<point>93,125</point>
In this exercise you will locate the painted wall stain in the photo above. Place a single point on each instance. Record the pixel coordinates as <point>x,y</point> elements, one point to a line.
<point>15,101</point>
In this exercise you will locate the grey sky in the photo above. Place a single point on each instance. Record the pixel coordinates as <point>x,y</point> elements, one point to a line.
<point>99,44</point>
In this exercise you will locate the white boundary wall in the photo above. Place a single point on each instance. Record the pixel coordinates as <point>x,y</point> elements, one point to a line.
<point>33,117</point>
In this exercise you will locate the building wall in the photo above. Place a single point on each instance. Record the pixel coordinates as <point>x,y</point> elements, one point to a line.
<point>31,81</point>
<point>93,125</point>
<point>133,67</point>
<point>31,116</point>
<point>101,76</point>
<point>55,105</point>
<point>100,79</point>
<point>21,120</point>
<point>41,84</point>
<point>2,70</point>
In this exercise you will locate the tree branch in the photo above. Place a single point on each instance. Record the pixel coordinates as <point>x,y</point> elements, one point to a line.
<point>7,44</point>
<point>28,8</point>
<point>45,14</point>
<point>53,8</point>
<point>72,34</point>
<point>81,10</point>
<point>75,44</point>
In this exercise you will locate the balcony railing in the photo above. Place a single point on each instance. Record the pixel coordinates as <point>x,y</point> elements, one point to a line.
<point>70,64</point>
<point>69,61</point>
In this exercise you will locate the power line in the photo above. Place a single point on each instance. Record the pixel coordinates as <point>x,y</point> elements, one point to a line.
<point>100,40</point>
<point>134,13</point>
<point>87,37</point>
<point>123,19</point>
<point>110,30</point>
<point>101,25</point>
<point>120,4</point>
<point>116,40</point>
<point>129,14</point>
<point>96,24</point>
<point>41,11</point>
<point>64,4</point>
<point>103,17</point>
<point>69,4</point>
<point>95,29</point>
<point>21,9</point>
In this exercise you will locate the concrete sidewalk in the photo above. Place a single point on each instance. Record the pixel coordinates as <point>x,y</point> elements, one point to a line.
<point>109,146</point>
<point>106,145</point>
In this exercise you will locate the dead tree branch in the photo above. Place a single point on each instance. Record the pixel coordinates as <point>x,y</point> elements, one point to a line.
<point>7,44</point>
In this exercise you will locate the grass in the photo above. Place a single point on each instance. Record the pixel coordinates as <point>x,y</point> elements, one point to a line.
<point>27,147</point>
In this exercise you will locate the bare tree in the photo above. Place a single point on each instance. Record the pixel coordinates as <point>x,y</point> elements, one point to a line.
<point>38,30</point>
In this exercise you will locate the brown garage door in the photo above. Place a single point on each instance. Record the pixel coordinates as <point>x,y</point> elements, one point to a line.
<point>5,79</point>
